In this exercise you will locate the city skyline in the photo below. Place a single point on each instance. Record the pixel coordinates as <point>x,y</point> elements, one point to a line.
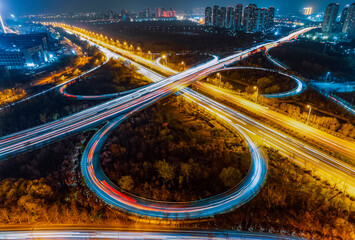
<point>20,7</point>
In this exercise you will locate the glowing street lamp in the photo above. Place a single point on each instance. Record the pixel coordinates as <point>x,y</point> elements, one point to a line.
<point>164,57</point>
<point>183,65</point>
<point>309,113</point>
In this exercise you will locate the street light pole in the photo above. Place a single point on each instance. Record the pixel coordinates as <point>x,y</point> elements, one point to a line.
<point>309,113</point>
<point>257,94</point>
<point>220,79</point>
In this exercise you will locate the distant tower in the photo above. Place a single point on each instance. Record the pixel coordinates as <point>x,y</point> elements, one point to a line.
<point>249,17</point>
<point>270,18</point>
<point>215,16</point>
<point>148,13</point>
<point>330,16</point>
<point>230,18</point>
<point>261,18</point>
<point>344,15</point>
<point>158,12</point>
<point>222,17</point>
<point>349,25</point>
<point>2,25</point>
<point>208,16</point>
<point>238,17</point>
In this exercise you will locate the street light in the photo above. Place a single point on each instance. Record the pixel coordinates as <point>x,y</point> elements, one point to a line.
<point>220,79</point>
<point>183,65</point>
<point>309,113</point>
<point>257,93</point>
<point>165,59</point>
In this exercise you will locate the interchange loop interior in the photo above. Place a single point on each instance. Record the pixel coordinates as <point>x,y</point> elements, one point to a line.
<point>111,194</point>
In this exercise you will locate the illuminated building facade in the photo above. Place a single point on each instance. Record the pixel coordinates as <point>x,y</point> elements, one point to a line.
<point>208,16</point>
<point>330,16</point>
<point>308,11</point>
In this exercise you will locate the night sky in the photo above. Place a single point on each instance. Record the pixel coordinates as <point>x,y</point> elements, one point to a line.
<point>56,6</point>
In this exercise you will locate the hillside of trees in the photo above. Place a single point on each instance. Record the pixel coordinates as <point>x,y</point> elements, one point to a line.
<point>112,77</point>
<point>159,153</point>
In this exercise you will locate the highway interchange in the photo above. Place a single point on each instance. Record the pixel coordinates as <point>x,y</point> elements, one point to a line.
<point>115,111</point>
<point>288,146</point>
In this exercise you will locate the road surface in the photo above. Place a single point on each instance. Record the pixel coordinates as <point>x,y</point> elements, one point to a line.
<point>136,234</point>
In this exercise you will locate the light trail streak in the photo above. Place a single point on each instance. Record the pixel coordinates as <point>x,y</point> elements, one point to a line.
<point>136,234</point>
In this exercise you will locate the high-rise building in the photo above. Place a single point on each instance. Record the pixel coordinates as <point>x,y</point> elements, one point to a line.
<point>349,25</point>
<point>344,15</point>
<point>230,18</point>
<point>261,19</point>
<point>158,13</point>
<point>249,17</point>
<point>270,18</point>
<point>215,16</point>
<point>307,11</point>
<point>208,16</point>
<point>111,14</point>
<point>330,16</point>
<point>125,16</point>
<point>148,13</point>
<point>238,17</point>
<point>222,17</point>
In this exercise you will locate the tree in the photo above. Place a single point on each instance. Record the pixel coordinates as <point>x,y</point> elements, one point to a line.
<point>185,171</point>
<point>43,117</point>
<point>117,150</point>
<point>230,176</point>
<point>165,170</point>
<point>126,183</point>
<point>264,82</point>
